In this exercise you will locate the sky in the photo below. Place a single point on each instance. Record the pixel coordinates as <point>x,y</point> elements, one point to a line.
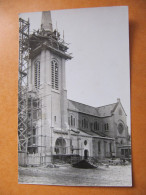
<point>98,39</point>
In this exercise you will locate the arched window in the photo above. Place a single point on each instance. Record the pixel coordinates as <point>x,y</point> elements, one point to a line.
<point>85,123</point>
<point>37,74</point>
<point>99,149</point>
<point>54,69</point>
<point>69,120</point>
<point>110,147</point>
<point>34,136</point>
<point>91,126</point>
<point>96,125</point>
<point>82,123</point>
<point>106,127</point>
<point>72,121</point>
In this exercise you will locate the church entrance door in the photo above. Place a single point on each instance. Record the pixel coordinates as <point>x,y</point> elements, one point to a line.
<point>86,154</point>
<point>60,146</point>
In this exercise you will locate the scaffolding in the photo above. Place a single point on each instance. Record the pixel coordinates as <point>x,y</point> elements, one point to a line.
<point>33,125</point>
<point>31,101</point>
<point>23,84</point>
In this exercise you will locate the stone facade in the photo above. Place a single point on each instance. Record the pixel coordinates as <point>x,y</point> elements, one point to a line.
<point>108,122</point>
<point>67,127</point>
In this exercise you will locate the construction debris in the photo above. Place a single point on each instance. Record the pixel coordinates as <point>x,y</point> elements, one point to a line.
<point>84,164</point>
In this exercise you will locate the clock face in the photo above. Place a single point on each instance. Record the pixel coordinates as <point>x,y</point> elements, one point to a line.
<point>120,128</point>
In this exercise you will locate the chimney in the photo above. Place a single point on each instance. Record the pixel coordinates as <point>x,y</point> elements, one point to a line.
<point>46,22</point>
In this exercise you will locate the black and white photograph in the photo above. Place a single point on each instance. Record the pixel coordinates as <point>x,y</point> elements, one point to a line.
<point>74,120</point>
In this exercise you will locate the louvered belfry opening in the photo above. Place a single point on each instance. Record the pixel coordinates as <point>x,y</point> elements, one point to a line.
<point>55,79</point>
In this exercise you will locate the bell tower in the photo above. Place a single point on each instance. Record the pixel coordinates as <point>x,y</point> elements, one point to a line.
<point>46,77</point>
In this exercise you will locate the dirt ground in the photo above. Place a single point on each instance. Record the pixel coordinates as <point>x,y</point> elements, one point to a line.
<point>67,175</point>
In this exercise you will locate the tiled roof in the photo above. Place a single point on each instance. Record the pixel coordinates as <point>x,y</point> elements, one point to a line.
<point>97,134</point>
<point>83,108</point>
<point>102,111</point>
<point>93,133</point>
<point>107,109</point>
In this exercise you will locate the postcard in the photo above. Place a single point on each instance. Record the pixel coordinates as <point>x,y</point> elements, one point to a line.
<point>74,97</point>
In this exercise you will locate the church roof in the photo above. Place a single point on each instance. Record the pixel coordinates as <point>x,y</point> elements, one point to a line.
<point>107,109</point>
<point>96,134</point>
<point>83,108</point>
<point>102,111</point>
<point>89,133</point>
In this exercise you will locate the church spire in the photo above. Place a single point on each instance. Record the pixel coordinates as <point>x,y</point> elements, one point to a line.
<point>46,22</point>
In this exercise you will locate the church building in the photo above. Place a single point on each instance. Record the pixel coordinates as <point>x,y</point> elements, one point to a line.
<point>66,128</point>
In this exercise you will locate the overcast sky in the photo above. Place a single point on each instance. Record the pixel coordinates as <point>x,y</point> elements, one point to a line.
<point>98,74</point>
